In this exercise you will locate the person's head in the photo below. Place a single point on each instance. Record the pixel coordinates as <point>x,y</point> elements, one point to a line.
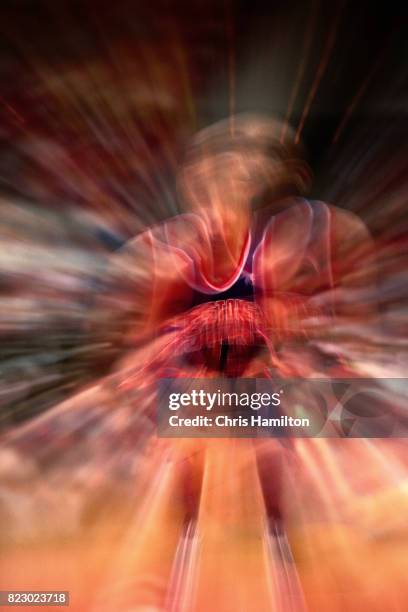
<point>241,163</point>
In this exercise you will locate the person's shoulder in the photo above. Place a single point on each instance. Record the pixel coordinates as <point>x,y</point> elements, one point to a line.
<point>343,222</point>
<point>349,224</point>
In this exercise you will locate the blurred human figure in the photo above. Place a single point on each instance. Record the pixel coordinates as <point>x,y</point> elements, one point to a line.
<point>249,235</point>
<point>250,279</point>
